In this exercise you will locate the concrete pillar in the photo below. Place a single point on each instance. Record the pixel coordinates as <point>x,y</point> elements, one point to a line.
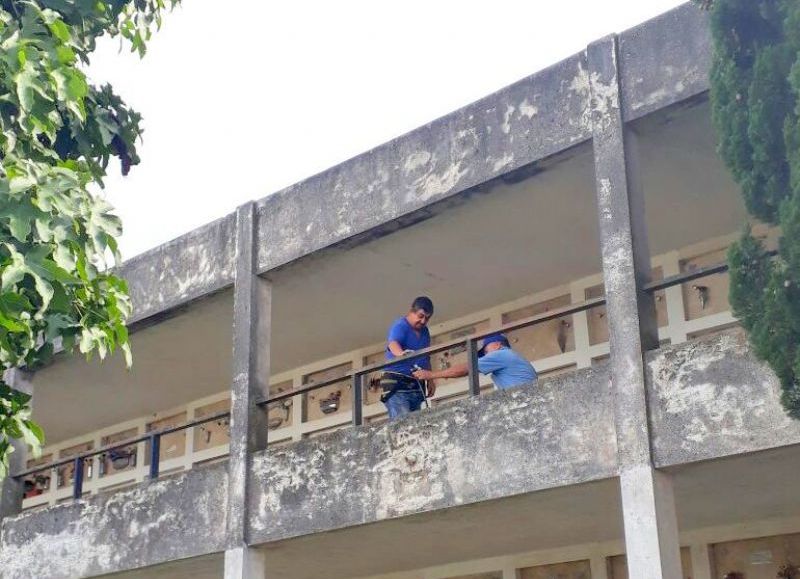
<point>651,526</point>
<point>245,563</point>
<point>598,566</point>
<point>651,534</point>
<point>251,347</point>
<point>11,490</point>
<point>701,561</point>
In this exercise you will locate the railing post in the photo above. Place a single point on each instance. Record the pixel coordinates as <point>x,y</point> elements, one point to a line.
<point>473,377</point>
<point>358,400</point>
<point>77,478</point>
<point>155,455</point>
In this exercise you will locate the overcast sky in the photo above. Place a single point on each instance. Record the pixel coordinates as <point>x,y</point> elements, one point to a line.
<point>243,97</point>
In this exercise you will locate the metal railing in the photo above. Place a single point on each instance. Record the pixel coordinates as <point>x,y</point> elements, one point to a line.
<point>470,342</point>
<point>356,379</point>
<point>154,437</point>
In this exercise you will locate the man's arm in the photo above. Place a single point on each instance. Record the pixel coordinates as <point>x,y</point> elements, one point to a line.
<point>396,338</point>
<point>486,365</point>
<point>395,348</point>
<point>457,371</point>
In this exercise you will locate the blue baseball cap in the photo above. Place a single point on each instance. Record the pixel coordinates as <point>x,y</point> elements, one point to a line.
<point>492,339</point>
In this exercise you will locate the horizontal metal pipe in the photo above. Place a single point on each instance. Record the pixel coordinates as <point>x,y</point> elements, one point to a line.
<point>127,442</point>
<point>519,324</point>
<point>687,276</point>
<point>683,278</point>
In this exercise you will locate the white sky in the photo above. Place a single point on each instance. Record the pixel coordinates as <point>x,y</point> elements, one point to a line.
<point>243,97</point>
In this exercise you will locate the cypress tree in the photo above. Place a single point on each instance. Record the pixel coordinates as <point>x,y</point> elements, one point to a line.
<point>755,98</point>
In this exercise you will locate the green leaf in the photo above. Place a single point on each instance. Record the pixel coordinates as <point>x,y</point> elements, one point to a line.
<point>28,85</point>
<point>20,215</point>
<point>58,273</point>
<point>126,350</point>
<point>57,324</point>
<point>20,184</point>
<point>32,435</point>
<point>36,430</point>
<point>60,30</point>
<point>65,259</point>
<point>65,55</point>
<point>45,290</point>
<point>57,135</point>
<point>14,303</point>
<point>14,271</point>
<point>11,324</point>
<point>87,342</point>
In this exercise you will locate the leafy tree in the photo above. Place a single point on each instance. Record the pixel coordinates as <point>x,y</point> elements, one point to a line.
<point>57,136</point>
<point>755,96</point>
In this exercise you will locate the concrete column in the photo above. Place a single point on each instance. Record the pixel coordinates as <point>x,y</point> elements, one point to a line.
<point>598,565</point>
<point>651,535</point>
<point>245,563</point>
<point>701,561</point>
<point>651,526</point>
<point>11,490</point>
<point>251,347</point>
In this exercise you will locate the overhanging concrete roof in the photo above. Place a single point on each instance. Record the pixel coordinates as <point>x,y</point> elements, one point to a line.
<point>662,62</point>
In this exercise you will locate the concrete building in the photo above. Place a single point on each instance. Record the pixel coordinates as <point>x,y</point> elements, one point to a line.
<point>653,447</point>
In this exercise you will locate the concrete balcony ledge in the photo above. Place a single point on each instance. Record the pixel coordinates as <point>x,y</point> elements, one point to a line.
<point>711,398</point>
<point>173,518</point>
<point>708,399</point>
<point>498,445</point>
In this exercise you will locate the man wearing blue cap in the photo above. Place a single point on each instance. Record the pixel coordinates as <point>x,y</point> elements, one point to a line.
<point>507,367</point>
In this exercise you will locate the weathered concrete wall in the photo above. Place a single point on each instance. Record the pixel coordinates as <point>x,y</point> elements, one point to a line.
<point>530,120</point>
<point>153,523</point>
<point>498,445</point>
<point>189,267</point>
<point>712,398</point>
<point>664,61</point>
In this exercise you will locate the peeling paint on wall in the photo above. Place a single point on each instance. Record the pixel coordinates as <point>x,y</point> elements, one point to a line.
<point>497,445</point>
<point>528,110</point>
<point>199,263</point>
<point>664,60</point>
<point>146,525</point>
<point>712,398</point>
<point>516,126</point>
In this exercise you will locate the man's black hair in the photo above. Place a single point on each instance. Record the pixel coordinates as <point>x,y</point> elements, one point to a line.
<point>423,303</point>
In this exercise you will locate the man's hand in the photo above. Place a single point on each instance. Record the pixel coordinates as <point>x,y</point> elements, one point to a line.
<point>428,376</point>
<point>431,388</point>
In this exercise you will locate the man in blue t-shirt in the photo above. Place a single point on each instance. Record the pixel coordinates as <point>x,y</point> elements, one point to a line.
<point>402,393</point>
<point>507,367</point>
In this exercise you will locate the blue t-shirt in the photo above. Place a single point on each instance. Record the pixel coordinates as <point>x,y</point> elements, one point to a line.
<point>402,333</point>
<point>507,368</point>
